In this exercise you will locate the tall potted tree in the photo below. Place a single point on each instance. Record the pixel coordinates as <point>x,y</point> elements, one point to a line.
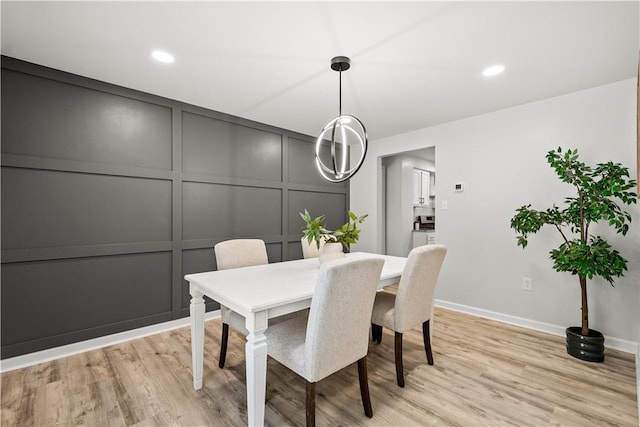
<point>599,192</point>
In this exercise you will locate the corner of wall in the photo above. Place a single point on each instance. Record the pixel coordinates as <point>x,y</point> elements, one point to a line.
<point>638,378</point>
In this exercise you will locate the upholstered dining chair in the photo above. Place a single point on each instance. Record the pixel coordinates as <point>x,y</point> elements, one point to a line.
<point>236,253</point>
<point>413,304</point>
<point>310,250</point>
<point>335,333</point>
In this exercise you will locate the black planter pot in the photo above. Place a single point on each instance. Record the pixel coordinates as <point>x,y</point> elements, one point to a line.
<point>585,347</point>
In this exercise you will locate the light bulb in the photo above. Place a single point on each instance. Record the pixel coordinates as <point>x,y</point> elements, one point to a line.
<point>494,70</point>
<point>162,56</point>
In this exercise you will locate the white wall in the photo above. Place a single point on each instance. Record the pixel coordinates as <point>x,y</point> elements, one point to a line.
<point>500,157</point>
<point>396,229</point>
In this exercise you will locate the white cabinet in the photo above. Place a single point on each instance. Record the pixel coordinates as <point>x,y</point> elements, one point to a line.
<point>421,238</point>
<point>421,187</point>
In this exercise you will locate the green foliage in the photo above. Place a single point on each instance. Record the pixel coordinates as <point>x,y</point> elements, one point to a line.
<point>595,258</point>
<point>599,191</point>
<point>315,230</point>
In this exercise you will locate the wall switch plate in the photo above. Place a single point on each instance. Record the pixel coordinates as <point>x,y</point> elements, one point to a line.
<point>527,284</point>
<point>445,205</point>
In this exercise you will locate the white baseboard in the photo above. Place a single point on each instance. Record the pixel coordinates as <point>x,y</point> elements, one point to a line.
<point>80,347</point>
<point>638,379</point>
<point>48,355</point>
<point>611,342</point>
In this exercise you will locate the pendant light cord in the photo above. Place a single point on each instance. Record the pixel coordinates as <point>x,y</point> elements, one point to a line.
<point>340,95</point>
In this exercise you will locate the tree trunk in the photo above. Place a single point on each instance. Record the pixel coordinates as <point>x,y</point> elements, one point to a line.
<point>585,306</point>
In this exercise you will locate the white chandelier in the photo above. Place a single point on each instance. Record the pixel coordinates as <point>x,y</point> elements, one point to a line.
<point>341,132</point>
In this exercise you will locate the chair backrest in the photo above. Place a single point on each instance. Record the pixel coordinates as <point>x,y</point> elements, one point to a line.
<point>414,300</point>
<point>310,250</point>
<point>340,315</point>
<point>240,253</point>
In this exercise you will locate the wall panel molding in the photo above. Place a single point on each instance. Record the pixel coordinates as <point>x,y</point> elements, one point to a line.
<point>85,251</point>
<point>177,221</point>
<point>28,68</point>
<point>65,165</point>
<point>227,180</point>
<point>44,117</point>
<point>135,189</point>
<point>210,243</point>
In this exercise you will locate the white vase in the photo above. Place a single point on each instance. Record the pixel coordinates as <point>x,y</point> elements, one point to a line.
<point>331,251</point>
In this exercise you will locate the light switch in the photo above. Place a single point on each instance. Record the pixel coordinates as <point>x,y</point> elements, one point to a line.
<point>445,205</point>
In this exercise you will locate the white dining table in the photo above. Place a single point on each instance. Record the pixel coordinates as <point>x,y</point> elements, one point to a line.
<point>259,293</point>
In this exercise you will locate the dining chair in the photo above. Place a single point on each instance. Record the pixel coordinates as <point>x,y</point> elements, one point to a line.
<point>236,253</point>
<point>335,333</point>
<point>413,303</point>
<point>310,250</point>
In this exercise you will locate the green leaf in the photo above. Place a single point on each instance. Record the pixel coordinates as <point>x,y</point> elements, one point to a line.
<point>315,229</point>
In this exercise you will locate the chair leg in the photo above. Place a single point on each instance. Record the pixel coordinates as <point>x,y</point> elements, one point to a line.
<point>311,404</point>
<point>364,387</point>
<point>223,345</point>
<point>398,353</point>
<point>426,336</point>
<point>376,333</point>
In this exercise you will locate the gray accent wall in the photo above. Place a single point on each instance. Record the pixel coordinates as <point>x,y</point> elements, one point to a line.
<point>110,196</point>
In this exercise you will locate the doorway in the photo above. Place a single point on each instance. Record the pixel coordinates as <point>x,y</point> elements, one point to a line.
<point>399,210</point>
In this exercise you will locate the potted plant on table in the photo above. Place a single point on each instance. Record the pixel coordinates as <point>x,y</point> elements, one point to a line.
<point>598,193</point>
<point>334,242</point>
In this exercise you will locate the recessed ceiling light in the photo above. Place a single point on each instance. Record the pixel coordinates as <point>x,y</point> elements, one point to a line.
<point>162,56</point>
<point>494,70</point>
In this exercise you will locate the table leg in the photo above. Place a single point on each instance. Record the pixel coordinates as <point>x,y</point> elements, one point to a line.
<point>197,309</point>
<point>256,362</point>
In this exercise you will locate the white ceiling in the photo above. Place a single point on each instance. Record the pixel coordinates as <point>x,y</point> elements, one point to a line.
<point>414,64</point>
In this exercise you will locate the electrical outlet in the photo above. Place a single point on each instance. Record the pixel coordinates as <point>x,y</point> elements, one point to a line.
<point>527,284</point>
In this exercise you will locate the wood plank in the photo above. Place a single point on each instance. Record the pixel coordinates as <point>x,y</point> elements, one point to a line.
<point>485,373</point>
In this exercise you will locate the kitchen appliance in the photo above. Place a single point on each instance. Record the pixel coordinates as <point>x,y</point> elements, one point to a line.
<point>427,222</point>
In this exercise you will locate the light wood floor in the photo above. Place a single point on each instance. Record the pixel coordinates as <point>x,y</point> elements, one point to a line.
<point>485,374</point>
